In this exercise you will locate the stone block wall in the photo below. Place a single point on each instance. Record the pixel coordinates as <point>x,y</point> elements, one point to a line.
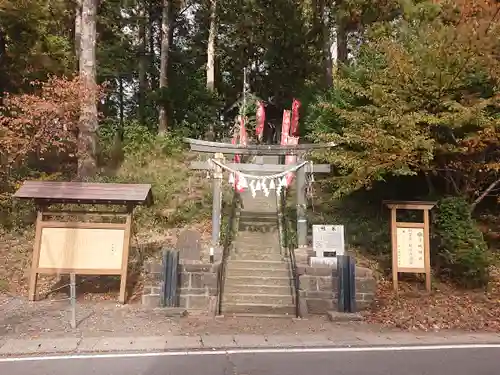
<point>197,286</point>
<point>318,288</point>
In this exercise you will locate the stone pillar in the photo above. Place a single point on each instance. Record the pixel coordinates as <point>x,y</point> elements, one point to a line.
<point>216,210</point>
<point>301,207</point>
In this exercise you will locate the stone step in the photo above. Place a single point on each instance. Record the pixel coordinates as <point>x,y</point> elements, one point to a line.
<point>255,280</point>
<point>241,255</point>
<point>255,254</point>
<point>255,248</point>
<point>255,309</point>
<point>258,228</point>
<point>257,241</point>
<point>260,199</point>
<point>258,289</point>
<point>258,299</point>
<point>250,202</point>
<point>253,239</point>
<point>273,220</point>
<point>257,264</point>
<point>257,222</point>
<point>258,273</point>
<point>262,207</point>
<point>249,215</point>
<point>250,234</point>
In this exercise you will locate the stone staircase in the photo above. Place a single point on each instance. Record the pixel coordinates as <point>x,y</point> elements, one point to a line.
<point>258,278</point>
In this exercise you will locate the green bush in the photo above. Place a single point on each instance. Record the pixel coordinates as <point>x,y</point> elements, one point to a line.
<point>138,140</point>
<point>462,252</point>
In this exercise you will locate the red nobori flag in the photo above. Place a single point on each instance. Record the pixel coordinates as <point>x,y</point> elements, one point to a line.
<point>285,127</point>
<point>295,117</point>
<point>261,119</point>
<point>243,140</point>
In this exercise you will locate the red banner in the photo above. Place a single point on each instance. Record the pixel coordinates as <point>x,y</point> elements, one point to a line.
<point>261,119</point>
<point>242,137</point>
<point>285,127</point>
<point>295,117</point>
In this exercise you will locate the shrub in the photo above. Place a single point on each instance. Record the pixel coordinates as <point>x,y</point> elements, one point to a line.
<point>37,136</point>
<point>462,252</point>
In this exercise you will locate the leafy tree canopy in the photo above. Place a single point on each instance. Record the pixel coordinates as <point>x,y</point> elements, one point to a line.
<point>421,96</point>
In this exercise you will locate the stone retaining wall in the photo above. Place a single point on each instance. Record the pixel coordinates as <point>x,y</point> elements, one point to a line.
<point>197,286</point>
<point>318,288</point>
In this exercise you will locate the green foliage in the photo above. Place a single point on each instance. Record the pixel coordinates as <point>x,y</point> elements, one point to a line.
<point>194,107</point>
<point>138,140</point>
<point>320,119</point>
<point>37,42</point>
<point>417,100</point>
<point>462,252</point>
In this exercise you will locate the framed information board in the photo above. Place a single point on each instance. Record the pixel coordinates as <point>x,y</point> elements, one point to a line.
<point>410,249</point>
<point>82,250</point>
<point>85,241</point>
<point>410,242</point>
<point>328,240</point>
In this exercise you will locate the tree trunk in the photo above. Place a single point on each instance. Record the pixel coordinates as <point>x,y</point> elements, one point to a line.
<point>211,46</point>
<point>153,74</point>
<point>326,39</point>
<point>78,31</point>
<point>143,85</point>
<point>87,136</point>
<point>212,35</point>
<point>165,49</point>
<point>342,52</point>
<point>121,102</point>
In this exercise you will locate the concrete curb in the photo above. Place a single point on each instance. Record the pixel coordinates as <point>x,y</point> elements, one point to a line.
<point>75,345</point>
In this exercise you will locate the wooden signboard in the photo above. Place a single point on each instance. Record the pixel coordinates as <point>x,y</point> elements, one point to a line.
<point>88,245</point>
<point>410,242</point>
<point>86,249</point>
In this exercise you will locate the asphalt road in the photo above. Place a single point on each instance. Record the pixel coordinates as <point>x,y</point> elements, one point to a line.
<point>476,361</point>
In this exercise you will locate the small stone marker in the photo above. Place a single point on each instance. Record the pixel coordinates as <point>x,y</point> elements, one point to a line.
<point>189,245</point>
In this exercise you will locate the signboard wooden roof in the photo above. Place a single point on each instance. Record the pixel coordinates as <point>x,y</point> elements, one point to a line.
<point>410,205</point>
<point>85,192</point>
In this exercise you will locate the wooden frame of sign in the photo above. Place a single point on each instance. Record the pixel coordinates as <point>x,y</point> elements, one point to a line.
<point>410,242</point>
<point>82,242</point>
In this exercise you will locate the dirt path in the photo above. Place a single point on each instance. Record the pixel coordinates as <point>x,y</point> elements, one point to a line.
<point>22,319</point>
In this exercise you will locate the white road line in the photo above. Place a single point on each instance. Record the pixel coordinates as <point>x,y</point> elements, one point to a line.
<point>252,351</point>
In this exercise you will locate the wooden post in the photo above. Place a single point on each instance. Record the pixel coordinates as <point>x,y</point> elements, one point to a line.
<point>36,255</point>
<point>394,250</point>
<point>72,288</point>
<point>427,244</point>
<point>216,204</point>
<point>301,208</point>
<point>126,246</point>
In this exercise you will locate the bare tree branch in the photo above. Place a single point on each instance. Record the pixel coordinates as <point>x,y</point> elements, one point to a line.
<point>484,194</point>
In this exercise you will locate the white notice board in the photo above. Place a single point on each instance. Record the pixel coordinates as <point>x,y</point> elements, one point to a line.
<point>328,238</point>
<point>81,249</point>
<point>410,248</point>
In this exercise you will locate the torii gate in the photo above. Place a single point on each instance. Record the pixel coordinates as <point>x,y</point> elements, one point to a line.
<point>218,149</point>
